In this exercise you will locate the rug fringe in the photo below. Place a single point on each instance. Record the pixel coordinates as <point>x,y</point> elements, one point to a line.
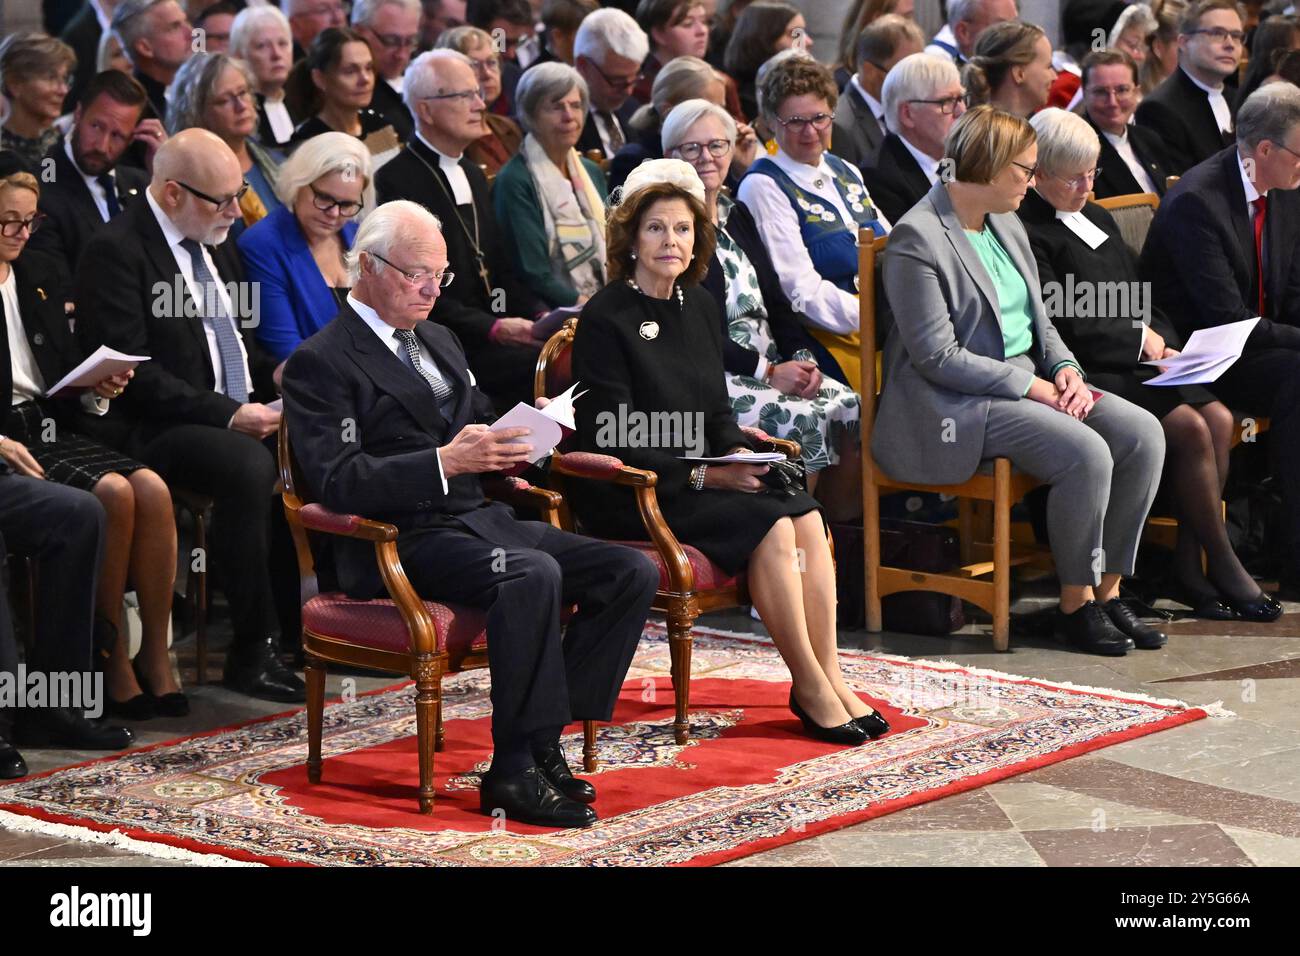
<point>115,838</point>
<point>1216,709</point>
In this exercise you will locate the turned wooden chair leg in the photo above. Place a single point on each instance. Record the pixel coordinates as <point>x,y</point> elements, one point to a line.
<point>315,674</point>
<point>589,761</point>
<point>428,696</point>
<point>871,546</point>
<point>1001,554</point>
<point>440,740</point>
<point>680,622</point>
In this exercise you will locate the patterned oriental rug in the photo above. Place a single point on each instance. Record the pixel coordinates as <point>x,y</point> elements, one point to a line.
<point>748,780</point>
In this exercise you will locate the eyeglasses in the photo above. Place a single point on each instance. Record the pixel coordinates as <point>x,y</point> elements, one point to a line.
<point>12,228</point>
<point>1121,92</point>
<point>948,104</point>
<point>1079,182</point>
<point>221,204</point>
<point>1219,34</point>
<point>692,151</point>
<point>616,82</point>
<point>395,41</point>
<point>1287,148</point>
<point>465,96</point>
<point>325,202</point>
<point>227,102</point>
<point>418,278</point>
<point>1030,171</point>
<point>490,64</point>
<point>819,122</point>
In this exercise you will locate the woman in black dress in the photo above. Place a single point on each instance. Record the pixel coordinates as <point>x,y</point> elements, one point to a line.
<point>1080,252</point>
<point>332,86</point>
<point>649,351</point>
<point>40,438</point>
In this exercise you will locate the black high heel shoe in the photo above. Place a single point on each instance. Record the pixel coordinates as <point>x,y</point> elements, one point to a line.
<point>175,704</point>
<point>848,734</point>
<point>873,724</point>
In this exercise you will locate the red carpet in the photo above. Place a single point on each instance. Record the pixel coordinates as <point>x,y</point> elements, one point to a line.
<point>748,781</point>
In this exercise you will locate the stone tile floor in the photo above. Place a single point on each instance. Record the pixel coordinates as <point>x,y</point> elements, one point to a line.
<point>1216,792</point>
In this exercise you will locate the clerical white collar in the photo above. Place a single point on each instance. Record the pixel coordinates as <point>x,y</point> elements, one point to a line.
<point>443,159</point>
<point>1211,90</point>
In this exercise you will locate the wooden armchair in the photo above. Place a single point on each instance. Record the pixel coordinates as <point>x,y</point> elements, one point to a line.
<point>425,639</point>
<point>1002,486</point>
<point>689,583</point>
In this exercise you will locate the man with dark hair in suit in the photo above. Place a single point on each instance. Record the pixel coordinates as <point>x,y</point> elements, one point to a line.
<point>414,457</point>
<point>923,98</point>
<point>1132,158</point>
<point>149,284</point>
<point>608,52</point>
<point>1225,247</point>
<point>391,29</point>
<point>860,120</point>
<point>89,187</point>
<point>1191,110</point>
<point>490,311</point>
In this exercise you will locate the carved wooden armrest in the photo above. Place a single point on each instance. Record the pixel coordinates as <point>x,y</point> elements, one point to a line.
<point>767,443</point>
<point>316,517</point>
<point>520,493</point>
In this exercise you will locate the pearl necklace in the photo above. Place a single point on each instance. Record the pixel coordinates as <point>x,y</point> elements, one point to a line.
<point>681,299</point>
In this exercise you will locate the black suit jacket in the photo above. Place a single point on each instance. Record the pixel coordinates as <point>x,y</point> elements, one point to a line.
<point>1178,112</point>
<point>388,469</point>
<point>464,306</point>
<point>73,217</point>
<point>895,182</point>
<point>387,102</point>
<point>45,324</point>
<point>858,134</point>
<point>1114,178</point>
<point>1200,255</point>
<point>82,34</point>
<point>1101,343</point>
<point>787,331</point>
<point>125,293</point>
<point>590,138</point>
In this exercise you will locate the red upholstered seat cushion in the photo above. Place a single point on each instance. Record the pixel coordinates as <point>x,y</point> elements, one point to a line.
<point>377,624</point>
<point>708,575</point>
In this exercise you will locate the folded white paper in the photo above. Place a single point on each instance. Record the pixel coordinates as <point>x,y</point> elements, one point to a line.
<point>741,458</point>
<point>1208,354</point>
<point>548,425</point>
<point>104,363</point>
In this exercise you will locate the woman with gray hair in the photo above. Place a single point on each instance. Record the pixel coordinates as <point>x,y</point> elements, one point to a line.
<point>553,199</point>
<point>296,254</point>
<point>215,91</point>
<point>1080,251</point>
<point>260,36</point>
<point>771,380</point>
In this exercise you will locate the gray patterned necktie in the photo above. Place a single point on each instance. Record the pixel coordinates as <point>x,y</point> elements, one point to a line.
<point>441,390</point>
<point>214,311</point>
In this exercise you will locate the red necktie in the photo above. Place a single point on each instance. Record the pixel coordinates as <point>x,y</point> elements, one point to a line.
<point>1260,205</point>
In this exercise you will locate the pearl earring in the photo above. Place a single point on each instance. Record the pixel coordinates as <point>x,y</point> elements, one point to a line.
<point>634,256</point>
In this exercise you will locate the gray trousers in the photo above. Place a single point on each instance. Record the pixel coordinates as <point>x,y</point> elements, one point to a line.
<point>1103,473</point>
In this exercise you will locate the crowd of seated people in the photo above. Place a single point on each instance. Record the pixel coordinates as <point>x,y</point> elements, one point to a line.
<point>377,211</point>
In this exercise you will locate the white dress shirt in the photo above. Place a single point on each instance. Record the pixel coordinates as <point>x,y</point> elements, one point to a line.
<point>28,381</point>
<point>824,304</point>
<point>1124,147</point>
<point>397,83</point>
<point>277,115</point>
<point>455,173</point>
<point>1222,115</point>
<point>388,335</point>
<point>929,165</point>
<point>96,190</point>
<point>945,35</point>
<point>174,238</point>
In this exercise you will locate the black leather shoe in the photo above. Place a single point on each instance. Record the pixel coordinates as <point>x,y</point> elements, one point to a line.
<point>1262,609</point>
<point>1090,630</point>
<point>848,735</point>
<point>64,727</point>
<point>556,770</point>
<point>12,765</point>
<point>873,725</point>
<point>139,707</point>
<point>259,673</point>
<point>528,797</point>
<point>1126,620</point>
<point>175,704</point>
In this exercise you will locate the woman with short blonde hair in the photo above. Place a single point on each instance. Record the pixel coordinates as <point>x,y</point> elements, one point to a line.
<point>35,71</point>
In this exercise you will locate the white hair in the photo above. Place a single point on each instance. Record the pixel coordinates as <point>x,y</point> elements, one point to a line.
<point>383,229</point>
<point>1136,16</point>
<point>363,11</point>
<point>1065,141</point>
<point>689,112</point>
<point>252,22</point>
<point>331,152</point>
<point>420,80</point>
<point>546,82</point>
<point>607,31</point>
<point>918,76</point>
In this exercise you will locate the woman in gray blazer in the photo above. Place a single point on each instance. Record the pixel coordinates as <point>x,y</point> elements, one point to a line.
<point>974,370</point>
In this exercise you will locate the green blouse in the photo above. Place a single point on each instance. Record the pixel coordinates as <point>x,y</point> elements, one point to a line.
<point>1013,292</point>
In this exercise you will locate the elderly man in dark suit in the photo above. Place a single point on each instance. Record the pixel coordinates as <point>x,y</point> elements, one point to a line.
<point>923,97</point>
<point>1132,157</point>
<point>89,187</point>
<point>608,51</point>
<point>414,457</point>
<point>1224,247</point>
<point>490,311</point>
<point>860,121</point>
<point>149,284</point>
<point>1191,110</point>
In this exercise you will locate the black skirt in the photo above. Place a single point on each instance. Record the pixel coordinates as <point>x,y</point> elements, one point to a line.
<point>69,459</point>
<point>1159,400</point>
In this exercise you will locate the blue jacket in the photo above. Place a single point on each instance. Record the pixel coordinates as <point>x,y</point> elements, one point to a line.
<point>295,301</point>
